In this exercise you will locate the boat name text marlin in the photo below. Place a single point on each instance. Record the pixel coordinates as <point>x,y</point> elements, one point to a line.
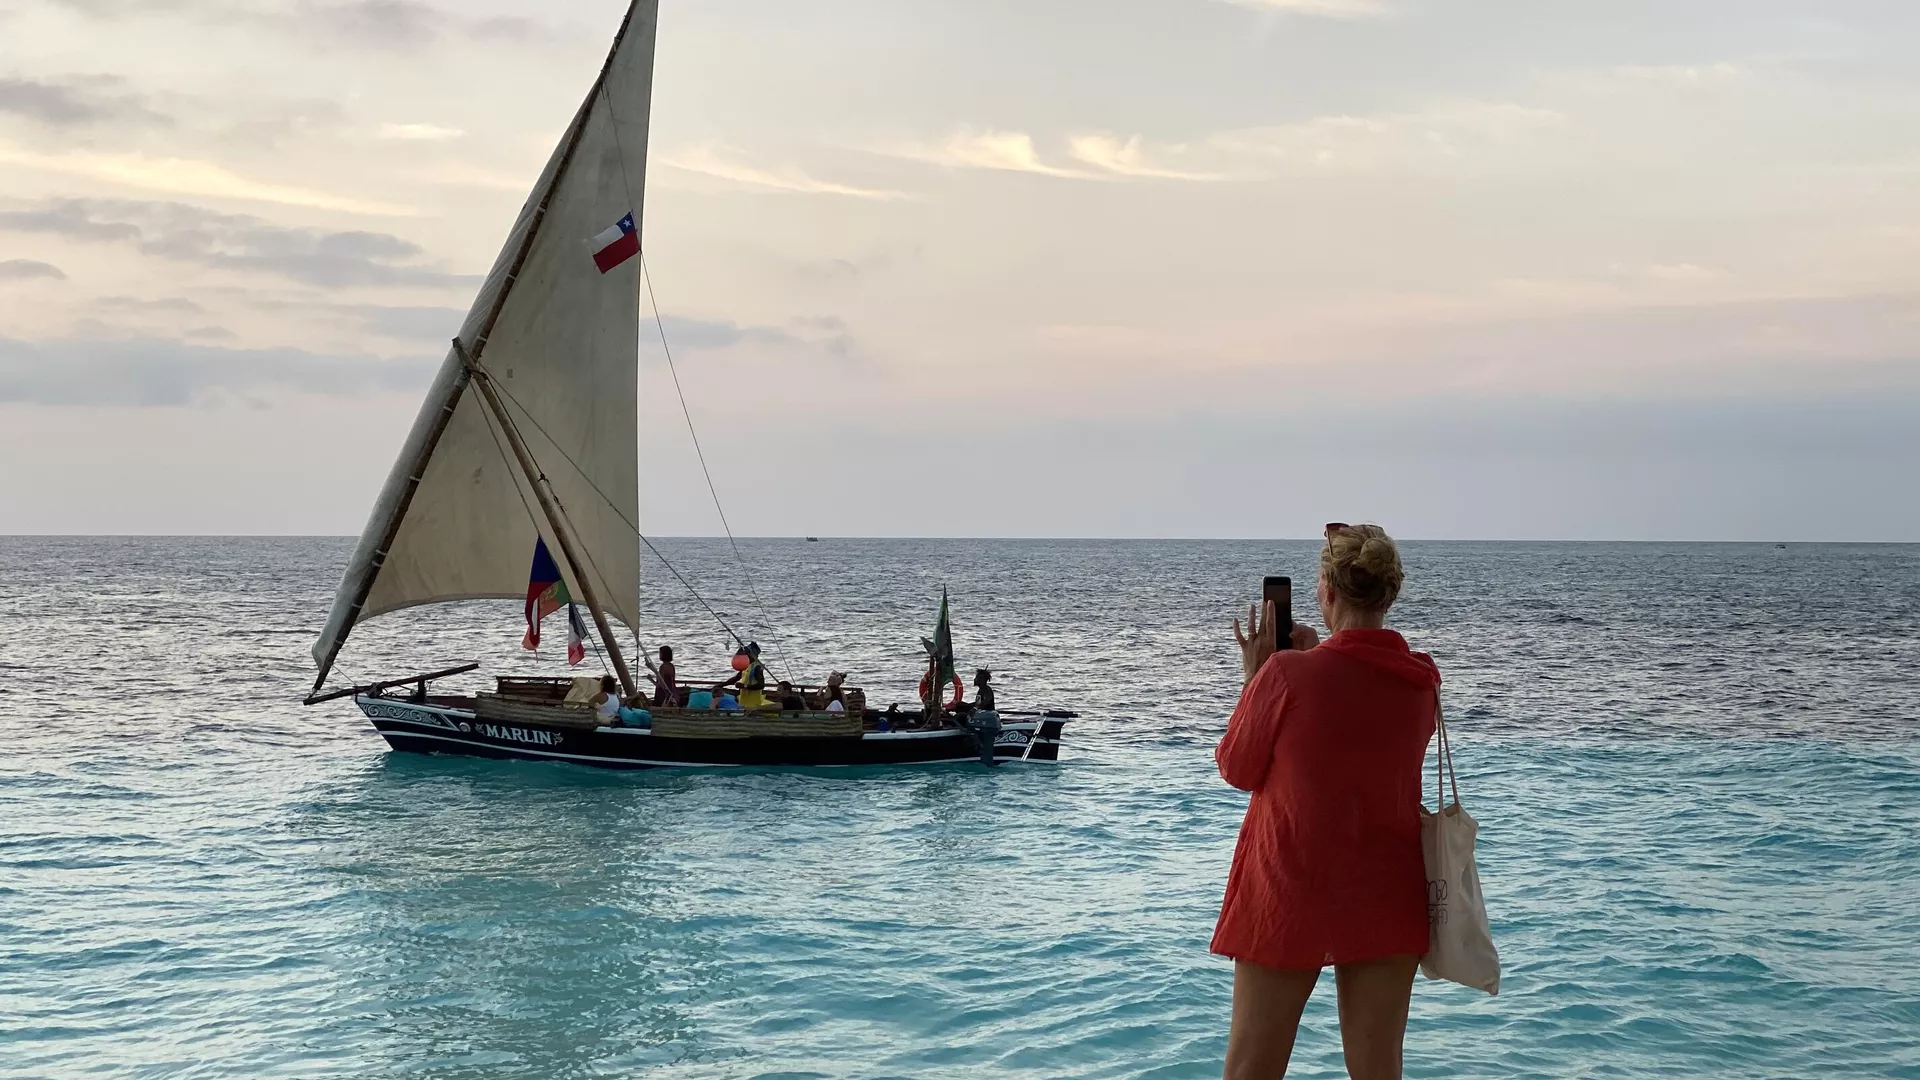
<point>514,734</point>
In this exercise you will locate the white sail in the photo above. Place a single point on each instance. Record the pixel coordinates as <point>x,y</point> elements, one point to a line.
<point>559,339</point>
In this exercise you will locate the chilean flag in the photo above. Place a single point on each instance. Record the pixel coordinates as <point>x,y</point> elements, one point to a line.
<point>616,245</point>
<point>545,593</point>
<point>576,637</point>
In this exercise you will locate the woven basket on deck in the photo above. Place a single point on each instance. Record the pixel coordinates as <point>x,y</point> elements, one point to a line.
<point>496,709</point>
<point>680,724</point>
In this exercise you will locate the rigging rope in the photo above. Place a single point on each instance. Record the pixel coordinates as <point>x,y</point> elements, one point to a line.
<point>617,512</point>
<point>738,640</point>
<point>766,621</point>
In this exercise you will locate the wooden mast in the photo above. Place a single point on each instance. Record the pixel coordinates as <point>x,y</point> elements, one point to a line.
<point>557,521</point>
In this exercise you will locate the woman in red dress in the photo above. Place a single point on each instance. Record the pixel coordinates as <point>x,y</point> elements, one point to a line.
<point>1329,737</point>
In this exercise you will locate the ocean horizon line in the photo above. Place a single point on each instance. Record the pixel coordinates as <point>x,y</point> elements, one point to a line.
<point>1034,538</point>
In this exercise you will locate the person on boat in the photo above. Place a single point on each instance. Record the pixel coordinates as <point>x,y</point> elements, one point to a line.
<point>834,699</point>
<point>726,702</point>
<point>983,690</point>
<point>664,689</point>
<point>752,678</point>
<point>789,698</point>
<point>1330,739</point>
<point>606,705</point>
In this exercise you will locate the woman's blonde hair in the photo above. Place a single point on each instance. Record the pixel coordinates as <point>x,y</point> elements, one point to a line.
<point>1362,566</point>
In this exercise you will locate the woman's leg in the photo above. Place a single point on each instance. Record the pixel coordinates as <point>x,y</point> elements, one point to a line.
<point>1373,1014</point>
<point>1266,1013</point>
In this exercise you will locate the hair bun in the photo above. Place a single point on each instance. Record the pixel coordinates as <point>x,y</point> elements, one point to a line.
<point>1378,557</point>
<point>1362,565</point>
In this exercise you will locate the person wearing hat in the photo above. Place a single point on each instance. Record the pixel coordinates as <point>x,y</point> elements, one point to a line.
<point>752,679</point>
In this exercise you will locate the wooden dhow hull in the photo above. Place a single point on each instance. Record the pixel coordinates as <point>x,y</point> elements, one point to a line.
<point>445,727</point>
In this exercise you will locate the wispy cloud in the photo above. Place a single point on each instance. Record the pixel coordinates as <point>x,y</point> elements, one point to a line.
<point>826,334</point>
<point>419,132</point>
<point>390,23</point>
<point>1682,74</point>
<point>185,176</point>
<point>161,372</point>
<point>76,102</point>
<point>1129,157</point>
<point>1325,9</point>
<point>1624,79</point>
<point>166,305</point>
<point>711,160</point>
<point>687,333</point>
<point>408,322</point>
<point>971,148</point>
<point>1455,130</point>
<point>30,270</point>
<point>684,333</point>
<point>463,174</point>
<point>192,234</point>
<point>1449,131</point>
<point>383,24</point>
<point>1685,273</point>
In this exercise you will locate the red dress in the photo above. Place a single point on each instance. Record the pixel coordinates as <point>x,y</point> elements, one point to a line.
<point>1331,742</point>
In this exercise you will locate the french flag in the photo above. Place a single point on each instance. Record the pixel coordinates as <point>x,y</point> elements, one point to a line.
<point>616,245</point>
<point>576,637</point>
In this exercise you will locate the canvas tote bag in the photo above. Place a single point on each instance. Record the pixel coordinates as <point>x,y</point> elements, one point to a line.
<point>1460,948</point>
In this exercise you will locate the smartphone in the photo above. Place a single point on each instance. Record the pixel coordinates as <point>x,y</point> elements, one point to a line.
<point>1279,592</point>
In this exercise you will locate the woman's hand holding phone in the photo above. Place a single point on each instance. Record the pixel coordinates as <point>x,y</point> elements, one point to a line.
<point>1259,640</point>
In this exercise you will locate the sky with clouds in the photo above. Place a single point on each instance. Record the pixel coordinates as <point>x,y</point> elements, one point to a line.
<point>1633,269</point>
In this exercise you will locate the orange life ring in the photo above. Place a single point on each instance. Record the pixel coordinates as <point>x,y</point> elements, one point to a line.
<point>959,690</point>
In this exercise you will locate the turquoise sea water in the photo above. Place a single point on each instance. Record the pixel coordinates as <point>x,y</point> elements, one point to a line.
<point>1697,770</point>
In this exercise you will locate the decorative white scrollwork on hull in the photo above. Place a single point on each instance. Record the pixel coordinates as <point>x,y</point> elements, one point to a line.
<point>430,718</point>
<point>386,711</point>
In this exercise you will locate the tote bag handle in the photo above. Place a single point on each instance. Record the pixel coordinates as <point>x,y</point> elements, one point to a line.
<point>1443,760</point>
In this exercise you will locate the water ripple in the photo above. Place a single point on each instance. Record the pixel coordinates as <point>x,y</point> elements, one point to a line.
<point>1698,778</point>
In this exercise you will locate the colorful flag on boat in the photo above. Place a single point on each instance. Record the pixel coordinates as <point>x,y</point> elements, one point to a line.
<point>545,593</point>
<point>616,245</point>
<point>576,636</point>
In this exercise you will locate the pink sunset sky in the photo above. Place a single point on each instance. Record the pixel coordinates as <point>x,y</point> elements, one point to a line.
<point>1479,268</point>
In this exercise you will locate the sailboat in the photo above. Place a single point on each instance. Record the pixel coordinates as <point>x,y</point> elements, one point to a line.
<point>526,448</point>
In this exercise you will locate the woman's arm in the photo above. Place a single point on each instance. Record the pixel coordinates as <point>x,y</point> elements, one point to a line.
<point>1246,752</point>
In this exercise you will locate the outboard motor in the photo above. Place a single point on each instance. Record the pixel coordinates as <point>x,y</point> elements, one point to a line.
<point>984,724</point>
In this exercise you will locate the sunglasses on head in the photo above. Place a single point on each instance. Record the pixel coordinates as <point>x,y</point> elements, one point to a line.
<point>1336,526</point>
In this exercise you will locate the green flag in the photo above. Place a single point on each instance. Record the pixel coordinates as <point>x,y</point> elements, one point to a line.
<point>940,648</point>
